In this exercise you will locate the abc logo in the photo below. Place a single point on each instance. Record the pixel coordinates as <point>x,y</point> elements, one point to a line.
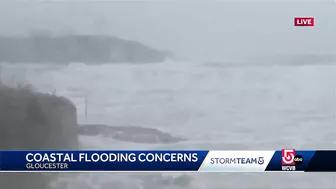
<point>298,159</point>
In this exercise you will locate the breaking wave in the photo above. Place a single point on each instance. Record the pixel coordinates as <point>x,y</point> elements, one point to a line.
<point>216,107</point>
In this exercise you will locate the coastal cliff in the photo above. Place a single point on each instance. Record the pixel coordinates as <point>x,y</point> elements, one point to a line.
<point>91,49</point>
<point>30,120</point>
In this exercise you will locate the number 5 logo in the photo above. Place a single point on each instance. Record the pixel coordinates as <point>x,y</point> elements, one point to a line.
<point>288,157</point>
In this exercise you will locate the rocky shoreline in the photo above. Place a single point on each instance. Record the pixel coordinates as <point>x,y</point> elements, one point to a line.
<point>36,121</point>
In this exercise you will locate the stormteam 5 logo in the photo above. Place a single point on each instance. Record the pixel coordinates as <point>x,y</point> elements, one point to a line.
<point>290,159</point>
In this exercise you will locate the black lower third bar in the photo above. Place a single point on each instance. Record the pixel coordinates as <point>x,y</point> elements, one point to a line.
<point>322,161</point>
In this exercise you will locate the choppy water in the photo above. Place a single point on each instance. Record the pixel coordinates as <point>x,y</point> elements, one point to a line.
<point>217,106</point>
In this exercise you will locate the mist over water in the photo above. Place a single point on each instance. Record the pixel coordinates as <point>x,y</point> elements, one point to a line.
<point>193,29</point>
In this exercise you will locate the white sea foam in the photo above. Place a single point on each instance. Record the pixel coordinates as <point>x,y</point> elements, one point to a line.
<point>218,107</point>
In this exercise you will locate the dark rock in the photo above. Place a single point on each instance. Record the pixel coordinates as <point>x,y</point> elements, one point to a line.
<point>129,133</point>
<point>34,121</point>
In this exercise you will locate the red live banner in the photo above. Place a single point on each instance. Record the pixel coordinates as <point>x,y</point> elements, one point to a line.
<point>304,21</point>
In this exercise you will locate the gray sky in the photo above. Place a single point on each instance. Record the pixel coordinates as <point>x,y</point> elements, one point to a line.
<point>207,30</point>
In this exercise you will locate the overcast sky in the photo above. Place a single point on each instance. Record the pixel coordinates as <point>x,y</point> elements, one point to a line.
<point>207,30</point>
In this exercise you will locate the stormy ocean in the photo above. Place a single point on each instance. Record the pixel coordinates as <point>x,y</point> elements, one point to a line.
<point>217,106</point>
